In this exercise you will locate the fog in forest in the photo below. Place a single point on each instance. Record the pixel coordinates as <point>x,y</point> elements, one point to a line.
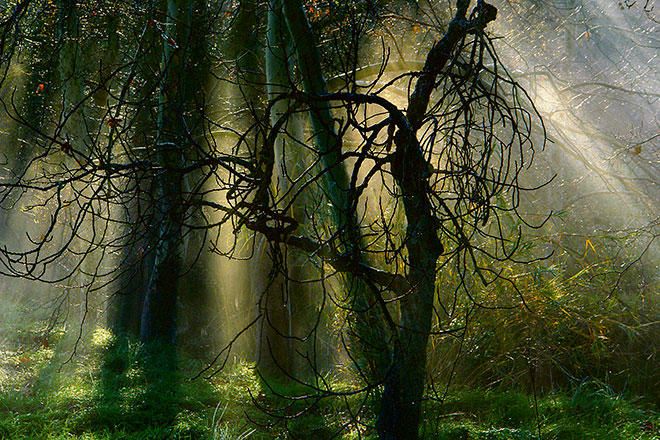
<point>329,219</point>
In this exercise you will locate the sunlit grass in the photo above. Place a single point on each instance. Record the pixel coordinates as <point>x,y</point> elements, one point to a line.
<point>588,412</point>
<point>113,392</point>
<point>117,388</point>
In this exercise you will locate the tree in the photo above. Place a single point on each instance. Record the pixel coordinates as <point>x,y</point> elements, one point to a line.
<point>476,139</point>
<point>441,147</point>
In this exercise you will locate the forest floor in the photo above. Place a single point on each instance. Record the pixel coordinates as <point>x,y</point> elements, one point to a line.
<point>116,396</point>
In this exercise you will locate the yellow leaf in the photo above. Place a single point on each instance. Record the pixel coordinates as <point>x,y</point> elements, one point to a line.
<point>588,244</point>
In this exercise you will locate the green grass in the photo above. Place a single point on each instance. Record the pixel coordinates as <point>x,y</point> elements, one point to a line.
<point>121,391</point>
<point>587,412</point>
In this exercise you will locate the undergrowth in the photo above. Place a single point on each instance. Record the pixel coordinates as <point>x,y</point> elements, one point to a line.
<point>568,364</point>
<point>121,390</point>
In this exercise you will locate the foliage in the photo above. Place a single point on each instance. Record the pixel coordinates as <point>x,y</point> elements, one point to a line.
<point>561,328</point>
<point>81,406</point>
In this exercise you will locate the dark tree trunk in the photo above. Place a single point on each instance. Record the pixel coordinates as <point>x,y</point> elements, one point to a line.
<point>197,306</point>
<point>159,310</point>
<point>275,346</point>
<point>138,257</point>
<point>400,413</point>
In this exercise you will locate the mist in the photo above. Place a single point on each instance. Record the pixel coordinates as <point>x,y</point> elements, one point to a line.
<point>239,219</point>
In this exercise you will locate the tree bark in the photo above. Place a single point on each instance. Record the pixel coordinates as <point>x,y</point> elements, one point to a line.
<point>159,311</point>
<point>126,303</point>
<point>275,352</point>
<point>71,73</point>
<point>400,412</point>
<point>370,334</point>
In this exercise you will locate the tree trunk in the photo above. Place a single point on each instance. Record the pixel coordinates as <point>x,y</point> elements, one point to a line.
<point>275,352</point>
<point>197,306</point>
<point>138,257</point>
<point>400,412</point>
<point>159,310</point>
<point>71,74</point>
<point>371,334</point>
<point>34,106</point>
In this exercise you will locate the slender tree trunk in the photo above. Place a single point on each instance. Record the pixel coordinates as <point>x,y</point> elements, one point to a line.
<point>138,256</point>
<point>159,310</point>
<point>275,352</point>
<point>371,333</point>
<point>35,102</point>
<point>197,308</point>
<point>400,412</point>
<point>74,132</point>
<point>124,316</point>
<point>72,70</point>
